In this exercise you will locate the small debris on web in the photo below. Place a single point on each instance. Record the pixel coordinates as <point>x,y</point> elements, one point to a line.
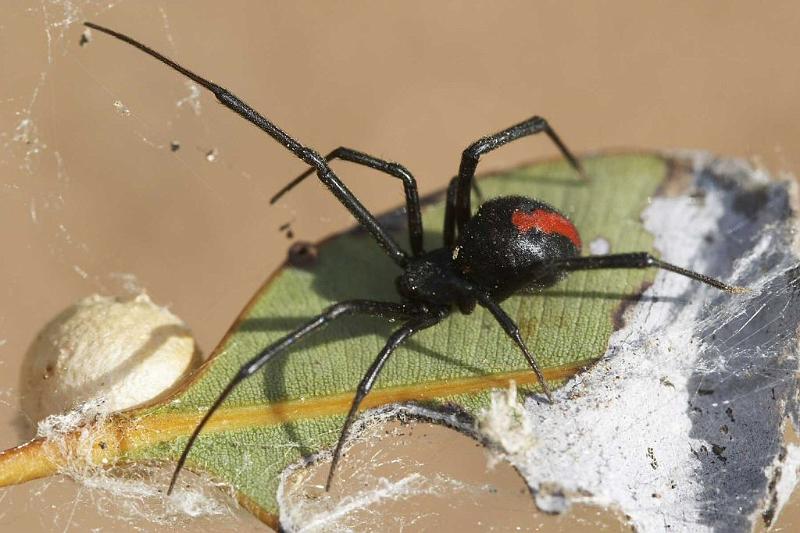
<point>129,283</point>
<point>86,37</point>
<point>287,229</point>
<point>121,109</point>
<point>551,499</point>
<point>506,426</point>
<point>599,246</point>
<point>192,99</point>
<point>55,428</point>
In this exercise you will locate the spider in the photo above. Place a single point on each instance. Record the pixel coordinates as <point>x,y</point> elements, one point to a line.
<point>511,243</point>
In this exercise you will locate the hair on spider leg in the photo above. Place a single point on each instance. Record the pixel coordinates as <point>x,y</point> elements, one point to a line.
<point>509,244</point>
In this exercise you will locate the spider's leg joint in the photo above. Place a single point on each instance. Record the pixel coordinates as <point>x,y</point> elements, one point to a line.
<point>313,158</point>
<point>402,171</point>
<point>474,150</point>
<point>539,123</point>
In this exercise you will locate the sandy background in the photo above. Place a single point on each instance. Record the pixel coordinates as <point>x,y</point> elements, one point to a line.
<point>92,199</point>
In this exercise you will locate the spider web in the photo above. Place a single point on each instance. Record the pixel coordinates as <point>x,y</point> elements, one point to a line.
<point>39,196</point>
<point>682,425</point>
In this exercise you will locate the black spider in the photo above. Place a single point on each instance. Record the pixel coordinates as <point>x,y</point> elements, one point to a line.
<point>511,243</point>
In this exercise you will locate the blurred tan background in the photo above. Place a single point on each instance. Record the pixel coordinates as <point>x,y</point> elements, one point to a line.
<point>93,199</point>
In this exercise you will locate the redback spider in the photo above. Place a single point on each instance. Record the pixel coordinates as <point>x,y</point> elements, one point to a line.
<point>511,243</point>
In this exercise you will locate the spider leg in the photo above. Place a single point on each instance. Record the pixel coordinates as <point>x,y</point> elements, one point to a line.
<point>393,169</point>
<point>307,155</point>
<point>449,234</point>
<point>638,260</point>
<point>396,339</point>
<point>470,157</point>
<point>478,192</point>
<point>366,307</point>
<point>512,330</point>
<point>450,209</point>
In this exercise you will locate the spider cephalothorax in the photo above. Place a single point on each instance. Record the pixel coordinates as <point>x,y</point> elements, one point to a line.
<point>511,243</point>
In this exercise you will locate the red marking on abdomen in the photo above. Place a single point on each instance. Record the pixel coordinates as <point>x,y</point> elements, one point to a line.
<point>546,221</point>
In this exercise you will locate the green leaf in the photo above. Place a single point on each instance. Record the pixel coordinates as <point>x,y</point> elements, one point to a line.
<point>295,406</point>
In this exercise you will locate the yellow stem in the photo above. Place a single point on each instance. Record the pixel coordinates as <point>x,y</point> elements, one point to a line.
<point>26,462</point>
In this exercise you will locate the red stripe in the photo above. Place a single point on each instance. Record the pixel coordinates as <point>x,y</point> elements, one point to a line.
<point>546,221</point>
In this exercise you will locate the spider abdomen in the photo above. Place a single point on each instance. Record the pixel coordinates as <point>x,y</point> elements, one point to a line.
<point>509,242</point>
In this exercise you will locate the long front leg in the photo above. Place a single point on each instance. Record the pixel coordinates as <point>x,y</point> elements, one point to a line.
<point>638,260</point>
<point>365,307</point>
<point>470,157</point>
<point>395,340</point>
<point>307,155</point>
<point>387,167</point>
